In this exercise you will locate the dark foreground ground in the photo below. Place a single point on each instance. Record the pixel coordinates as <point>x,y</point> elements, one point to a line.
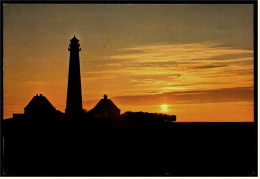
<point>129,148</point>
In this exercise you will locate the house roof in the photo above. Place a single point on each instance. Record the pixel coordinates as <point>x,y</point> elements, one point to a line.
<point>104,104</point>
<point>39,102</point>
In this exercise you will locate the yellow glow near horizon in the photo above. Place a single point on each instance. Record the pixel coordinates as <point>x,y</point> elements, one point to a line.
<point>164,107</point>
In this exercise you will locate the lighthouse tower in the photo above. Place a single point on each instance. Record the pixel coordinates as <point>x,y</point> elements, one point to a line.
<point>74,97</point>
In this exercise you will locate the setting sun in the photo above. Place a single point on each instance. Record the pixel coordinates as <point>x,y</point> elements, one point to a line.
<point>164,107</point>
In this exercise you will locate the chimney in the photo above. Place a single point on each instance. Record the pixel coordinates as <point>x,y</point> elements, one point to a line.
<point>40,95</point>
<point>105,96</point>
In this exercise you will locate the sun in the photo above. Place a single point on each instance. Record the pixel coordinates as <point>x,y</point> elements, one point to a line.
<point>164,107</point>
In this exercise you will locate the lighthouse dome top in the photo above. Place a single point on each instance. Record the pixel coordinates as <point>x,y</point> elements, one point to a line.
<point>74,44</point>
<point>74,39</point>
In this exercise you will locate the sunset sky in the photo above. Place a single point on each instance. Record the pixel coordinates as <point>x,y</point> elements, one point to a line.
<point>194,61</point>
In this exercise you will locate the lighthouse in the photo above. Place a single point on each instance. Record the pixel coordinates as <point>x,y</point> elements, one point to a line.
<point>74,95</point>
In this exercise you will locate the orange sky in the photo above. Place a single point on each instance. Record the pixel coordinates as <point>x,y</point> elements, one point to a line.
<point>194,61</point>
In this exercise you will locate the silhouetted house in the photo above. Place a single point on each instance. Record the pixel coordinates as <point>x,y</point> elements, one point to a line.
<point>39,108</point>
<point>18,116</point>
<point>105,108</point>
<point>39,105</point>
<point>147,117</point>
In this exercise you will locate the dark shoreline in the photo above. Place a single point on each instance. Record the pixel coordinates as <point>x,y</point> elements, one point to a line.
<point>83,148</point>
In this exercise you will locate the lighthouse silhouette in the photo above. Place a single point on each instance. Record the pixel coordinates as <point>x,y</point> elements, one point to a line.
<point>74,96</point>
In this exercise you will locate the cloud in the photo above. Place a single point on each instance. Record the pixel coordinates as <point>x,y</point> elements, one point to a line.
<point>209,66</point>
<point>33,83</point>
<point>249,53</point>
<point>99,77</point>
<point>166,67</point>
<point>190,97</point>
<point>180,52</point>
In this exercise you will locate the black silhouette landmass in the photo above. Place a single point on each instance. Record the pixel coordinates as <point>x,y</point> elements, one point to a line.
<point>102,142</point>
<point>128,147</point>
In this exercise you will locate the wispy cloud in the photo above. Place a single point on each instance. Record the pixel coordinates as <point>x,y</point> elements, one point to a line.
<point>181,52</point>
<point>94,77</point>
<point>33,83</point>
<point>190,97</point>
<point>176,67</point>
<point>209,66</point>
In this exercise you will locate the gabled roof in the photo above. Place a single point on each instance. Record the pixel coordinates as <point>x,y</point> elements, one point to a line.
<point>39,102</point>
<point>104,104</point>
